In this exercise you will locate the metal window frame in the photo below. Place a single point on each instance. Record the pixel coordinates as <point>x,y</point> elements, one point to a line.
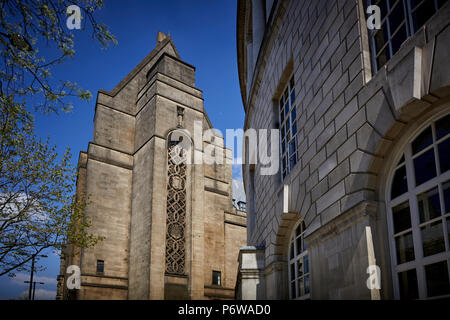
<point>420,262</point>
<point>286,155</point>
<point>301,255</point>
<point>102,263</point>
<point>409,25</point>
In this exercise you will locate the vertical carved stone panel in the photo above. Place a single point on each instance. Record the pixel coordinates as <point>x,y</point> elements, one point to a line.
<point>176,210</point>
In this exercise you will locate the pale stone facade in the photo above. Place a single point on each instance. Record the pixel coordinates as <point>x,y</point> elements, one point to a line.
<point>124,176</point>
<point>353,123</point>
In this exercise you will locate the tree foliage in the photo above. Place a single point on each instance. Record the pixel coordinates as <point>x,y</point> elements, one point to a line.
<point>26,26</point>
<point>37,207</point>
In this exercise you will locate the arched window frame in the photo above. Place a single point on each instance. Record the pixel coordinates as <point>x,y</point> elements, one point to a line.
<point>420,262</point>
<point>298,281</point>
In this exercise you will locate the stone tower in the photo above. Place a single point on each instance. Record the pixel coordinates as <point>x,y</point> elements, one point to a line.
<point>170,229</point>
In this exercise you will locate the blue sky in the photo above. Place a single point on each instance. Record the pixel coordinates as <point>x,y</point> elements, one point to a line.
<point>204,32</point>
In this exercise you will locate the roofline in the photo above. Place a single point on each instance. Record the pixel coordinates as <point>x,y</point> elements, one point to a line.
<point>140,66</point>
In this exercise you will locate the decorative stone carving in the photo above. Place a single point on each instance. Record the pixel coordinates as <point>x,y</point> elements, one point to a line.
<point>176,212</point>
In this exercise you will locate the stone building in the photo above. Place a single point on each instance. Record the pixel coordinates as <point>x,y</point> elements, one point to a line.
<point>170,228</point>
<point>360,206</point>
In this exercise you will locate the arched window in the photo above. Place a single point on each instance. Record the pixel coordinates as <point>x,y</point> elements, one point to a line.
<point>419,215</point>
<point>298,268</point>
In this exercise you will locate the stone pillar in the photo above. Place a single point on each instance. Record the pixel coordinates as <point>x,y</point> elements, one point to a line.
<point>341,254</point>
<point>251,283</point>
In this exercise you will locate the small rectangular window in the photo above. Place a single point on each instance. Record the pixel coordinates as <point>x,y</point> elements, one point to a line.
<point>216,278</point>
<point>100,266</point>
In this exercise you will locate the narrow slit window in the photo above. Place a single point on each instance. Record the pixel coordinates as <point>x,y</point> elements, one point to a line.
<point>216,278</point>
<point>100,266</point>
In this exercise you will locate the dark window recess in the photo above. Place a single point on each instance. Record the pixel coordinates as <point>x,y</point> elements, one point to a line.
<point>446,188</point>
<point>423,140</point>
<point>402,217</point>
<point>429,205</point>
<point>425,167</point>
<point>437,279</point>
<point>408,285</point>
<point>400,19</point>
<point>216,278</point>
<point>400,183</point>
<point>444,155</point>
<point>100,266</point>
<point>443,127</point>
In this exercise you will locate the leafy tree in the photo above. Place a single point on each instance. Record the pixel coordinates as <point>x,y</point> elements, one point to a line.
<point>37,207</point>
<point>26,26</point>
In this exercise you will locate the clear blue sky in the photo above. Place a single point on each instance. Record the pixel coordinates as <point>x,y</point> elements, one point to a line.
<point>204,32</point>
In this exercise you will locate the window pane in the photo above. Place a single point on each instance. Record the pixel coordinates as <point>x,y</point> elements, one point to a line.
<point>382,5</point>
<point>443,127</point>
<point>425,167</point>
<point>294,128</point>
<point>299,267</point>
<point>444,155</point>
<point>405,248</point>
<point>292,251</point>
<point>292,97</point>
<point>380,37</point>
<point>422,141</point>
<point>399,38</point>
<point>307,285</point>
<point>422,14</point>
<point>291,83</point>
<point>301,287</point>
<point>429,205</point>
<point>402,217</point>
<point>437,279</point>
<point>446,188</point>
<point>306,262</point>
<point>299,245</point>
<point>293,289</point>
<point>298,230</point>
<point>408,284</point>
<point>100,266</point>
<point>292,147</point>
<point>216,278</point>
<point>448,228</point>
<point>293,114</point>
<point>293,161</point>
<point>292,271</point>
<point>281,115</point>
<point>432,238</point>
<point>400,183</point>
<point>396,16</point>
<point>383,57</point>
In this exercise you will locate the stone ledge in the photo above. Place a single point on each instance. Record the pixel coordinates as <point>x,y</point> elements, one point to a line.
<point>217,191</point>
<point>363,210</point>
